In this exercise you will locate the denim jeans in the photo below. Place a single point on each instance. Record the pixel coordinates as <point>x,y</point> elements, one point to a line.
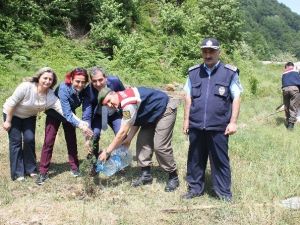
<point>22,146</point>
<point>114,121</point>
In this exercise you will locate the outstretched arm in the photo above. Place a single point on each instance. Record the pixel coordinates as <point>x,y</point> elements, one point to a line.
<point>117,141</point>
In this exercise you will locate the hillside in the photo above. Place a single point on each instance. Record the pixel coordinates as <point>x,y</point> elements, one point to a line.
<point>270,28</point>
<point>153,41</point>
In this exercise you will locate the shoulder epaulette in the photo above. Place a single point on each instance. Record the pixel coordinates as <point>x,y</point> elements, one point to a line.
<point>231,67</point>
<point>194,67</point>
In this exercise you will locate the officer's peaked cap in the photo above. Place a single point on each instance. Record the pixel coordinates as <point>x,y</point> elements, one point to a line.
<point>102,94</point>
<point>210,43</point>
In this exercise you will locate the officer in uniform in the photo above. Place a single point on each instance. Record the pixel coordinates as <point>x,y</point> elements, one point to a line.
<point>290,92</point>
<point>96,116</point>
<point>153,113</point>
<point>212,104</point>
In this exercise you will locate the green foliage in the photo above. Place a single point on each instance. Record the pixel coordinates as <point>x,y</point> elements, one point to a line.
<point>243,52</point>
<point>266,20</point>
<point>283,57</point>
<point>148,42</point>
<point>253,83</point>
<point>222,19</point>
<point>109,24</point>
<point>172,19</point>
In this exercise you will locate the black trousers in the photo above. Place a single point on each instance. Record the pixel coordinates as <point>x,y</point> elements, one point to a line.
<point>212,144</point>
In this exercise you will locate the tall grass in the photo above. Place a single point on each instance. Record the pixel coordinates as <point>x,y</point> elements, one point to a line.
<point>264,159</point>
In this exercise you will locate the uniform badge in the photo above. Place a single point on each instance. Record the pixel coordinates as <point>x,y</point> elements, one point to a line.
<point>209,43</point>
<point>126,115</point>
<point>221,90</point>
<point>123,94</point>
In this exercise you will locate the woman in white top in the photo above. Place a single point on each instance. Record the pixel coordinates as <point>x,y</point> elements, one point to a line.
<point>19,112</point>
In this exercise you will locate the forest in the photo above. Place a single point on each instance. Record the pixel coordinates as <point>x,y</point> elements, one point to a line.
<point>153,41</point>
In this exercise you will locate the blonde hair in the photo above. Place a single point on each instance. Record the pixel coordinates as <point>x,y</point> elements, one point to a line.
<point>35,78</point>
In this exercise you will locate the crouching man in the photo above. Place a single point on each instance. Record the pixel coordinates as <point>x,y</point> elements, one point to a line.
<point>153,114</point>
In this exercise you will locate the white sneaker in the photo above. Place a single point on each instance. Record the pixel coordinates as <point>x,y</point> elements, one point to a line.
<point>20,178</point>
<point>75,173</point>
<point>33,175</point>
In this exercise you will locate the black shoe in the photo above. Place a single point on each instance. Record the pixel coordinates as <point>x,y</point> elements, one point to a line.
<point>172,184</point>
<point>290,126</point>
<point>226,198</point>
<point>145,178</point>
<point>222,197</point>
<point>41,179</point>
<point>190,195</point>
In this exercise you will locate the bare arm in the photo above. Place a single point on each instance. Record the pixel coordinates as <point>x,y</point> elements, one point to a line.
<point>232,126</point>
<point>187,107</point>
<point>117,141</point>
<point>130,136</point>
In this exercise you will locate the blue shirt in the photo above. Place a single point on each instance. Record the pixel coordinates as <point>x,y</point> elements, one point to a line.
<point>235,86</point>
<point>70,99</point>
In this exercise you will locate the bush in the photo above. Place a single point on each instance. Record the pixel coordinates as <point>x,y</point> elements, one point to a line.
<point>172,19</point>
<point>283,57</point>
<point>253,83</point>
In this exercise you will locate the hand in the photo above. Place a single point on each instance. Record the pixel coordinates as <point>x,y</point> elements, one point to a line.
<point>87,132</point>
<point>103,156</point>
<point>231,129</point>
<point>185,127</point>
<point>88,147</point>
<point>84,126</point>
<point>6,125</point>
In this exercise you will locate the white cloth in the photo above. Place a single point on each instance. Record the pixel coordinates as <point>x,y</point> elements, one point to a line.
<point>27,102</point>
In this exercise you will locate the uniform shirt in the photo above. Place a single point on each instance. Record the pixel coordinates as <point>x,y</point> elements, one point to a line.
<point>27,102</point>
<point>130,105</point>
<point>235,86</point>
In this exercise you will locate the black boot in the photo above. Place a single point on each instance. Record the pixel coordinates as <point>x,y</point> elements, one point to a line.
<point>290,126</point>
<point>173,182</point>
<point>144,178</point>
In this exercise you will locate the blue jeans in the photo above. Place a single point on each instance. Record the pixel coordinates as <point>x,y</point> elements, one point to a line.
<point>22,146</point>
<point>114,121</point>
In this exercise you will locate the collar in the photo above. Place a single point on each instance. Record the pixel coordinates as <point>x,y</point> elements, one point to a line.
<point>289,70</point>
<point>211,69</point>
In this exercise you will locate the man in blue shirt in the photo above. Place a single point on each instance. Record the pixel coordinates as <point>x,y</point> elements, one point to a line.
<point>212,104</point>
<point>97,116</point>
<point>290,91</point>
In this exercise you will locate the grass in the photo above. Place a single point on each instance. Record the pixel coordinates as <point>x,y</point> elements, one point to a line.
<point>265,169</point>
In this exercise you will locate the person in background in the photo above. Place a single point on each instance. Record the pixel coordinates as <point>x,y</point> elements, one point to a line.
<point>212,104</point>
<point>153,114</point>
<point>96,116</point>
<point>291,95</point>
<point>20,112</point>
<point>71,96</point>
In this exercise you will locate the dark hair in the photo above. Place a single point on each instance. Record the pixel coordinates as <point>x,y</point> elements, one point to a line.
<point>288,64</point>
<point>94,70</point>
<point>40,72</point>
<point>76,72</point>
